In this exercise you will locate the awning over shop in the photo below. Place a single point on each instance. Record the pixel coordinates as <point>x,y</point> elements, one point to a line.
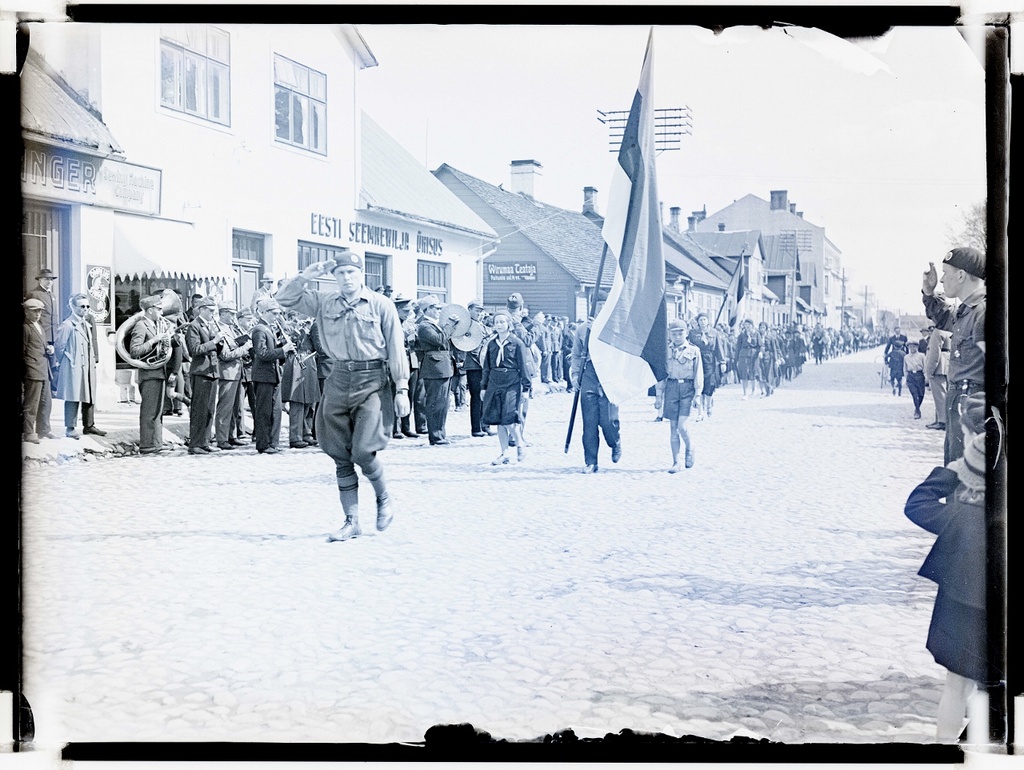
<point>163,248</point>
<point>803,305</point>
<point>769,296</point>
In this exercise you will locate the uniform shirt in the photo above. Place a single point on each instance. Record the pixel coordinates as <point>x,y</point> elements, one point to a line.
<point>966,359</point>
<point>367,329</point>
<point>914,362</point>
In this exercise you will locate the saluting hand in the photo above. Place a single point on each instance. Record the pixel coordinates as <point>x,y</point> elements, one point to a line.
<point>930,280</point>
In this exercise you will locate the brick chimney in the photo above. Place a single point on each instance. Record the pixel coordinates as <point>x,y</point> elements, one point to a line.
<point>691,222</point>
<point>700,216</point>
<point>792,208</point>
<point>673,214</point>
<point>780,200</point>
<point>524,172</point>
<point>589,207</point>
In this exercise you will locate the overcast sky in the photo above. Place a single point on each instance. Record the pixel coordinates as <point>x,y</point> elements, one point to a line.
<point>882,141</point>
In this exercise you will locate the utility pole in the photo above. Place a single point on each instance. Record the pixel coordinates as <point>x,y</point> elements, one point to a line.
<point>842,308</point>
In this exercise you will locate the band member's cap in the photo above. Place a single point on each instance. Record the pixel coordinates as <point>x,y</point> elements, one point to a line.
<point>968,259</point>
<point>677,324</point>
<point>152,300</point>
<point>33,304</point>
<point>227,309</point>
<point>267,303</point>
<point>428,302</point>
<point>476,303</point>
<point>347,258</point>
<point>245,313</point>
<point>46,273</point>
<point>204,302</point>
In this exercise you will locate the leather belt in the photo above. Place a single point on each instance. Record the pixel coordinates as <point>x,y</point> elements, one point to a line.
<point>358,366</point>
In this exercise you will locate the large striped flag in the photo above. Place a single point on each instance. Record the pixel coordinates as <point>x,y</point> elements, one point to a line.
<point>628,342</point>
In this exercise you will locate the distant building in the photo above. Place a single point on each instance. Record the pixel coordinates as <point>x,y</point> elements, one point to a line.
<point>820,285</point>
<point>548,254</point>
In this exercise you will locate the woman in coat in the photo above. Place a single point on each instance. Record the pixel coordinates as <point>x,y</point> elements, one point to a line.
<point>951,504</point>
<point>505,377</point>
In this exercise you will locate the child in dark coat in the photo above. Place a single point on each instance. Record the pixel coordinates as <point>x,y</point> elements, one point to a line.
<point>951,504</point>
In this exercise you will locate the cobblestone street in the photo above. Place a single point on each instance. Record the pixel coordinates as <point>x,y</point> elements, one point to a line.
<point>770,591</point>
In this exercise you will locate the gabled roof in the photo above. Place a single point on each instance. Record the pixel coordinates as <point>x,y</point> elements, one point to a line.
<point>568,237</point>
<point>54,113</point>
<point>679,257</point>
<point>393,181</point>
<point>728,243</point>
<point>699,254</point>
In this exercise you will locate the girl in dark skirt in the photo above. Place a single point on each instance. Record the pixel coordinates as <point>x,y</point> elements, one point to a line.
<point>505,377</point>
<point>748,350</point>
<point>951,504</point>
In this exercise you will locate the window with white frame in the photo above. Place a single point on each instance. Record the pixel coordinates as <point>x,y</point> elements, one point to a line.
<point>300,105</point>
<point>195,71</point>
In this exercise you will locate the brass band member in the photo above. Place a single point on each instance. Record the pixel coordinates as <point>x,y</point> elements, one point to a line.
<point>152,336</point>
<point>202,337</point>
<point>269,350</point>
<point>229,391</point>
<point>362,334</point>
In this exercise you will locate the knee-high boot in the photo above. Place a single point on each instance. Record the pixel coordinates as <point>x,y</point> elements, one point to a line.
<point>348,490</point>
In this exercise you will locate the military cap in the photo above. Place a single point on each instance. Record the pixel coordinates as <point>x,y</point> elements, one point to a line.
<point>968,259</point>
<point>153,300</point>
<point>204,302</point>
<point>347,258</point>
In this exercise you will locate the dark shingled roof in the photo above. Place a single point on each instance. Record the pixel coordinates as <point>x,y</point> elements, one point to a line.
<point>52,111</point>
<point>568,237</point>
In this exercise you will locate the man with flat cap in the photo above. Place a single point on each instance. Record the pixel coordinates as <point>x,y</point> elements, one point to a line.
<point>152,333</point>
<point>362,334</point>
<point>49,320</point>
<point>229,383</point>
<point>36,378</point>
<point>963,279</point>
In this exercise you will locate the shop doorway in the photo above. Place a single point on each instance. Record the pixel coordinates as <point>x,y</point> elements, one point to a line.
<point>46,245</point>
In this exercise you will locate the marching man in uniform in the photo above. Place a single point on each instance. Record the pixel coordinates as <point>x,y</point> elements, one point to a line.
<point>362,334</point>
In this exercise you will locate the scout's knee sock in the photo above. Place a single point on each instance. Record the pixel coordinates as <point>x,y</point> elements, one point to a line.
<point>348,491</point>
<point>375,475</point>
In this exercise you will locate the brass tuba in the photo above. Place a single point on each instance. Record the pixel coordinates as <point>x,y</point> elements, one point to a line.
<point>170,304</point>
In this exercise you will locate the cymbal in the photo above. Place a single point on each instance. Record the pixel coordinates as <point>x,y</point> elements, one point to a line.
<point>471,339</point>
<point>449,311</point>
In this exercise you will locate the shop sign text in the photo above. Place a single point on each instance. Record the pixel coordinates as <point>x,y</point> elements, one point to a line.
<point>511,271</point>
<point>74,178</point>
